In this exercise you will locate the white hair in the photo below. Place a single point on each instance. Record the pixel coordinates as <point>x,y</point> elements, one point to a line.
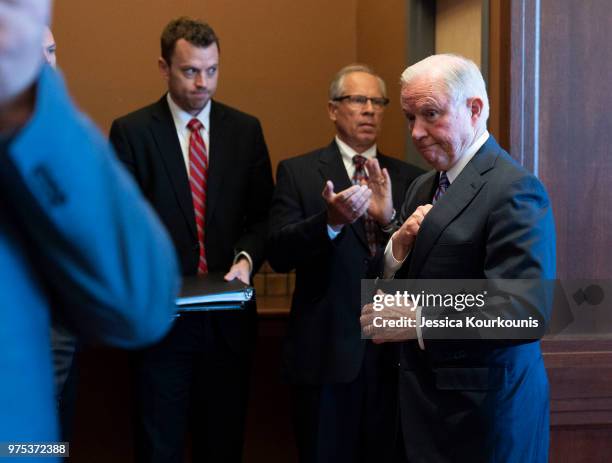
<point>460,75</point>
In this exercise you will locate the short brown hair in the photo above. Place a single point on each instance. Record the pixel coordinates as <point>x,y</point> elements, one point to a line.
<point>195,32</point>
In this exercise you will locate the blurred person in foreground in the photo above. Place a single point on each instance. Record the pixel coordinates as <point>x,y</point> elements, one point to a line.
<point>75,235</point>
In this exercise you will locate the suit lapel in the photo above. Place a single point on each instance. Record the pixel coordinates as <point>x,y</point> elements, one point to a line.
<point>460,193</point>
<point>219,158</point>
<point>332,168</point>
<point>164,133</point>
<point>423,193</point>
<point>420,197</point>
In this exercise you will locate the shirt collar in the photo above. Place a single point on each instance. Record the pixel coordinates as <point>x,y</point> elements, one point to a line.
<point>454,171</point>
<point>349,153</point>
<point>182,117</point>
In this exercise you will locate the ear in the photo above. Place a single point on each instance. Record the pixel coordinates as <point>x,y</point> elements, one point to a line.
<point>475,106</point>
<point>164,68</point>
<point>332,108</point>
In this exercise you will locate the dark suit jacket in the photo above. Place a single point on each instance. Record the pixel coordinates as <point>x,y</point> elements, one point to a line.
<point>239,185</point>
<point>480,401</point>
<point>324,342</point>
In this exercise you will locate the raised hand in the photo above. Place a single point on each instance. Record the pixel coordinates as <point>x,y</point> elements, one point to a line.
<point>347,206</point>
<point>381,204</point>
<point>403,239</point>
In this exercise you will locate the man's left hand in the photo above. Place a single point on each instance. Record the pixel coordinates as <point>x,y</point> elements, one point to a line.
<point>240,270</point>
<point>381,203</point>
<point>388,322</point>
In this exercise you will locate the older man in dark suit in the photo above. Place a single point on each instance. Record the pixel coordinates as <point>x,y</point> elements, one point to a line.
<point>478,215</point>
<point>332,212</point>
<point>205,169</point>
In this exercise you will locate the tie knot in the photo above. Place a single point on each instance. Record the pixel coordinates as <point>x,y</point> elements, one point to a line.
<point>443,182</point>
<point>195,125</point>
<point>359,161</point>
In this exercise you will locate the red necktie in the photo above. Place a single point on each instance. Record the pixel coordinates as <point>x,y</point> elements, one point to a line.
<point>370,226</point>
<point>198,179</point>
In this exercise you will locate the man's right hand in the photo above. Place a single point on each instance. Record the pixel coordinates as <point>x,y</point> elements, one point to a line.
<point>403,239</point>
<point>347,206</point>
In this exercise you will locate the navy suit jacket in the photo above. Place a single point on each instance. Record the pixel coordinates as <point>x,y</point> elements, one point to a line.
<point>480,400</point>
<point>324,343</point>
<point>75,236</point>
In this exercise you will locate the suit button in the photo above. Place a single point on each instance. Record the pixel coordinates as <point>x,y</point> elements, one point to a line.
<point>196,247</point>
<point>366,261</point>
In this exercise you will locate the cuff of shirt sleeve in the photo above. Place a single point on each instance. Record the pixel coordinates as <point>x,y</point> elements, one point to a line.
<point>247,257</point>
<point>392,265</point>
<point>333,234</point>
<point>419,331</point>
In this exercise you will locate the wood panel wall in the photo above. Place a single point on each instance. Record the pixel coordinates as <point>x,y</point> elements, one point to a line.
<point>560,95</point>
<point>277,59</point>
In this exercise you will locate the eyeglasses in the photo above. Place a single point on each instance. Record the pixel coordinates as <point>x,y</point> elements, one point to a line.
<point>359,101</point>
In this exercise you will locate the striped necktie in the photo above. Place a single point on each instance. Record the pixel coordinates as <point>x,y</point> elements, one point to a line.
<point>443,184</point>
<point>198,180</point>
<point>370,225</point>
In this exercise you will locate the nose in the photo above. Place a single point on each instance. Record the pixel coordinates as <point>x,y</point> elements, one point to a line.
<point>418,131</point>
<point>368,108</point>
<point>200,80</point>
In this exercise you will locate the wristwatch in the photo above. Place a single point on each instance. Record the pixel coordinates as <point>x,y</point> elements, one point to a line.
<point>390,226</point>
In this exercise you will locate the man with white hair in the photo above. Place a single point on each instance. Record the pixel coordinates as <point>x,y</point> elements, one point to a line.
<point>477,215</point>
<point>76,236</point>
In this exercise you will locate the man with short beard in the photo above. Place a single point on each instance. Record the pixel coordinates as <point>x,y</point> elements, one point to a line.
<point>205,169</point>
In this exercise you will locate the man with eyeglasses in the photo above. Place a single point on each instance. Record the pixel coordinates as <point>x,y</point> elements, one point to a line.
<point>331,216</point>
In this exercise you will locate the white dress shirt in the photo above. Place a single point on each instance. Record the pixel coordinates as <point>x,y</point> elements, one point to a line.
<point>181,119</point>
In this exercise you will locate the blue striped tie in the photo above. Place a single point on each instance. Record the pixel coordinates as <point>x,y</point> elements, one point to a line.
<point>443,184</point>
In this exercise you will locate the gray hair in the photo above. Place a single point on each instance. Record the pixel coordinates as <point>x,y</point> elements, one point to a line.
<point>336,88</point>
<point>460,75</point>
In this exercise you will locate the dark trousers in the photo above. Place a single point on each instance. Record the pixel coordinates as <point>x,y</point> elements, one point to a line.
<point>63,350</point>
<point>349,422</point>
<point>192,377</point>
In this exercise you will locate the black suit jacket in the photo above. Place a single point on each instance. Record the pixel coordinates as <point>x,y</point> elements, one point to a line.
<point>239,184</point>
<point>324,342</point>
<point>475,400</point>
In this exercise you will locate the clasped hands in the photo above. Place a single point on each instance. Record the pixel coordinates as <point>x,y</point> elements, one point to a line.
<point>391,321</point>
<point>372,196</point>
<point>388,321</point>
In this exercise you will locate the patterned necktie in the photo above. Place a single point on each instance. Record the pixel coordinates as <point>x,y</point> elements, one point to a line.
<point>198,179</point>
<point>443,184</point>
<point>370,225</point>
